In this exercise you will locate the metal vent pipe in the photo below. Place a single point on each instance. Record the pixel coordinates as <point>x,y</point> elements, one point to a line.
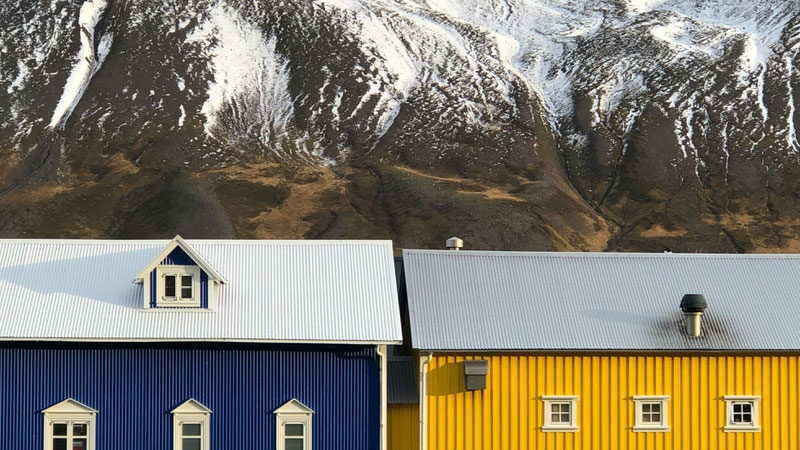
<point>455,243</point>
<point>693,307</point>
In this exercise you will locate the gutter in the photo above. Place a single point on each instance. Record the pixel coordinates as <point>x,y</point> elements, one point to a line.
<point>423,402</point>
<point>382,361</point>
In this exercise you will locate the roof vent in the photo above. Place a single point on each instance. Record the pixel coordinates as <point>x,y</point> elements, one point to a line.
<point>693,306</point>
<point>455,243</point>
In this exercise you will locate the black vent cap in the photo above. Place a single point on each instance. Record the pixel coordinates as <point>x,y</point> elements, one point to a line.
<point>693,303</point>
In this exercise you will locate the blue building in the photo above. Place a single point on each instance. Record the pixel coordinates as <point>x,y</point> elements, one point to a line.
<point>195,345</point>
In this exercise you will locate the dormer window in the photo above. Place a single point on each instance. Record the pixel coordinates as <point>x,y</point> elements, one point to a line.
<point>178,286</point>
<point>179,277</point>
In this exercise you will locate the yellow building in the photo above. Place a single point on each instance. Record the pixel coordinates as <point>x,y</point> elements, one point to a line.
<point>601,351</point>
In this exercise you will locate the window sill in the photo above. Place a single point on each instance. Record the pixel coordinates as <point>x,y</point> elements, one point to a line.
<point>560,429</point>
<point>732,429</point>
<point>654,429</point>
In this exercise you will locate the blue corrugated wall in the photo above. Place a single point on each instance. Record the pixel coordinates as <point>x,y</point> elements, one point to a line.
<point>178,257</point>
<point>135,388</point>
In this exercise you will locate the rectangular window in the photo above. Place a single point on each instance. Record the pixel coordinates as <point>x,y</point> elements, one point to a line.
<point>742,413</point>
<point>294,435</point>
<point>651,413</point>
<point>169,286</point>
<point>178,286</point>
<point>559,413</point>
<point>190,426</point>
<point>192,436</point>
<point>70,435</point>
<point>186,287</point>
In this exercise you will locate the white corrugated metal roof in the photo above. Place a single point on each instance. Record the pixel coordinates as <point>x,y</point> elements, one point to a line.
<point>473,300</point>
<point>281,291</point>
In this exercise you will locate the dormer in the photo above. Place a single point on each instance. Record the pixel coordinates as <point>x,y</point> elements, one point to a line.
<point>179,277</point>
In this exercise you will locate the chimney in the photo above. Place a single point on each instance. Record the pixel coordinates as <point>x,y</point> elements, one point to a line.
<point>693,306</point>
<point>455,243</point>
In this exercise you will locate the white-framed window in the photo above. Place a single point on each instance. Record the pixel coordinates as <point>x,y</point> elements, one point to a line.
<point>178,286</point>
<point>293,426</point>
<point>560,413</point>
<point>651,412</point>
<point>69,425</point>
<point>742,412</point>
<point>190,426</point>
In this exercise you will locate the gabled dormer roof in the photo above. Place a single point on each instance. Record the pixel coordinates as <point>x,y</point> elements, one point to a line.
<point>191,406</point>
<point>178,241</point>
<point>69,406</point>
<point>293,406</point>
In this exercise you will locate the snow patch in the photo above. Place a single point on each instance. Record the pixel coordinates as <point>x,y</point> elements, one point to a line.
<point>245,101</point>
<point>182,117</point>
<point>89,60</point>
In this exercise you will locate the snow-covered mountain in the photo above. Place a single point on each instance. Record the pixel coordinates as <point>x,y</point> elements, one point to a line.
<point>583,124</point>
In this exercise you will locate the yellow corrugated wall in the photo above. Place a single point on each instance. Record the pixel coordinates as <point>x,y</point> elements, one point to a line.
<point>403,427</point>
<point>509,413</point>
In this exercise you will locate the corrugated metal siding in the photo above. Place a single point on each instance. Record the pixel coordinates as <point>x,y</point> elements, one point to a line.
<point>403,427</point>
<point>134,390</point>
<point>402,381</point>
<point>277,290</point>
<point>470,300</point>
<point>509,413</point>
<point>178,257</point>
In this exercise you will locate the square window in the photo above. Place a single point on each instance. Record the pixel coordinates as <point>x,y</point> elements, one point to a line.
<point>651,413</point>
<point>559,413</point>
<point>79,429</point>
<point>742,413</point>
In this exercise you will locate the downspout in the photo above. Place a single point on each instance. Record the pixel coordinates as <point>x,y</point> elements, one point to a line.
<point>423,402</point>
<point>383,368</point>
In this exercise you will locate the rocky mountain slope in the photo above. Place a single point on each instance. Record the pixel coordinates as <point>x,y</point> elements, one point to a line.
<point>524,124</point>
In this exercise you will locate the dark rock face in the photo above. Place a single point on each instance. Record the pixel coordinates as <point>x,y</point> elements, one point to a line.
<point>515,124</point>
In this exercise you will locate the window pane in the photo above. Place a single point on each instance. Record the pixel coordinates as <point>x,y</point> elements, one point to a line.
<point>60,444</point>
<point>79,444</point>
<point>554,418</point>
<point>737,407</point>
<point>646,407</point>
<point>191,444</point>
<point>656,417</point>
<point>169,286</point>
<point>655,407</point>
<point>186,286</point>
<point>746,407</point>
<point>293,429</point>
<point>59,429</point>
<point>294,444</point>
<point>79,429</point>
<point>565,418</point>
<point>191,429</point>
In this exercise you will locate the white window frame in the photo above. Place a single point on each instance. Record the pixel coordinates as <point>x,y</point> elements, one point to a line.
<point>178,272</point>
<point>70,412</point>
<point>642,426</point>
<point>191,412</point>
<point>548,400</point>
<point>293,412</point>
<point>737,427</point>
